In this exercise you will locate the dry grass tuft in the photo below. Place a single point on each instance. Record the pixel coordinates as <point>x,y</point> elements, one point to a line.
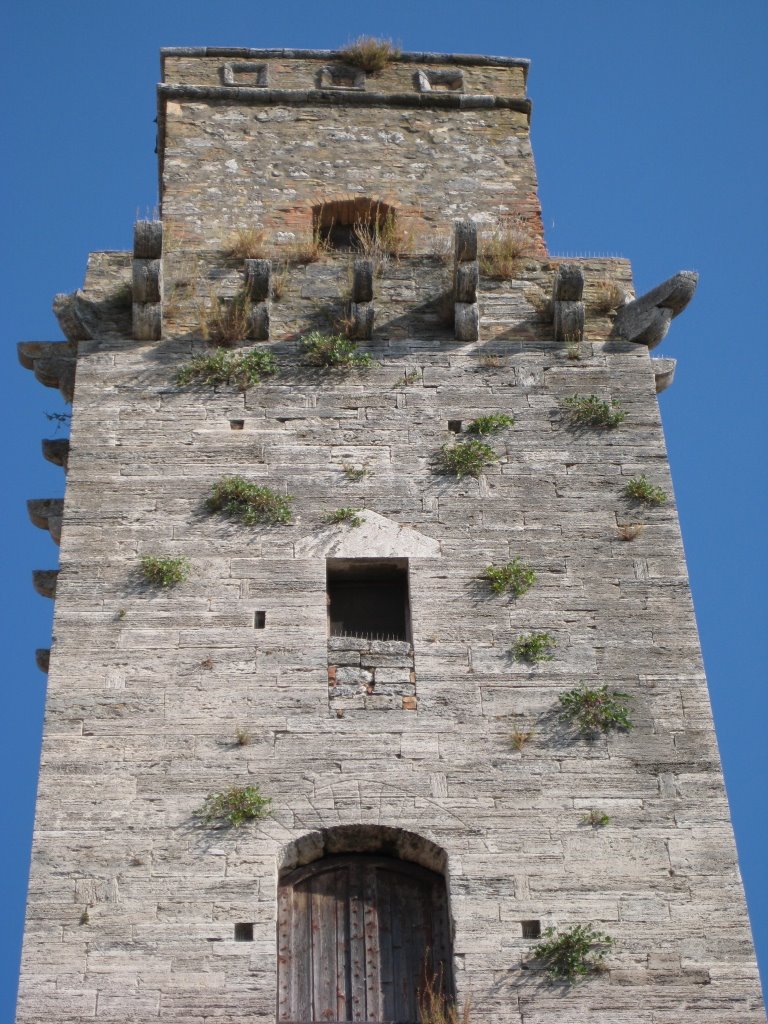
<point>246,244</point>
<point>437,1008</point>
<point>519,738</point>
<point>369,53</point>
<point>506,247</point>
<point>608,297</point>
<point>225,321</point>
<point>629,531</point>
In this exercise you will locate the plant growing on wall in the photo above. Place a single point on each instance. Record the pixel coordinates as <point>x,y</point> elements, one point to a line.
<point>234,807</point>
<point>520,737</point>
<point>591,411</point>
<point>252,504</point>
<point>164,572</point>
<point>369,53</point>
<point>533,648</point>
<point>465,458</point>
<point>491,424</point>
<point>641,490</point>
<point>344,515</point>
<point>333,351</point>
<point>595,818</point>
<point>225,321</point>
<point>435,1007</point>
<point>504,250</point>
<point>514,578</point>
<point>355,473</point>
<point>244,369</point>
<point>596,710</point>
<point>245,244</point>
<point>573,953</point>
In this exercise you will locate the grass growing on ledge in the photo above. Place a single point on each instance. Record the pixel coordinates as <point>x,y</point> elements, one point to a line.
<point>333,351</point>
<point>640,489</point>
<point>506,248</point>
<point>244,369</point>
<point>591,411</point>
<point>163,572</point>
<point>344,515</point>
<point>465,458</point>
<point>491,424</point>
<point>237,498</point>
<point>234,807</point>
<point>595,818</point>
<point>573,953</point>
<point>533,648</point>
<point>514,578</point>
<point>245,244</point>
<point>596,710</point>
<point>225,321</point>
<point>369,53</point>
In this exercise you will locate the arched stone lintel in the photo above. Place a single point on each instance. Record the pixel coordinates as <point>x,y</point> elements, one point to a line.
<point>362,838</point>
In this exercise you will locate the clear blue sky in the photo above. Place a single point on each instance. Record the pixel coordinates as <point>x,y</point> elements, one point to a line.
<point>649,134</point>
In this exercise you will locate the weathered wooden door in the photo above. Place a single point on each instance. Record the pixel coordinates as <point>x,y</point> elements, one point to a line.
<point>356,935</point>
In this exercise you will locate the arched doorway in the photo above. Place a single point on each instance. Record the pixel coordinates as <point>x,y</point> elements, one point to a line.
<point>357,934</point>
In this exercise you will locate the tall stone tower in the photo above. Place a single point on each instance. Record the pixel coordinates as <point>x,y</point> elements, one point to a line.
<point>412,572</point>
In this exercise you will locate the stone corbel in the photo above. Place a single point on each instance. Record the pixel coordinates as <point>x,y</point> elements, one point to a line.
<point>147,280</point>
<point>567,304</point>
<point>258,284</point>
<point>646,320</point>
<point>361,308</point>
<point>56,450</point>
<point>53,363</point>
<point>44,582</point>
<point>466,277</point>
<point>47,514</point>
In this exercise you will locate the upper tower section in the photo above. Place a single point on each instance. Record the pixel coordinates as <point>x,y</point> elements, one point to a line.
<point>298,141</point>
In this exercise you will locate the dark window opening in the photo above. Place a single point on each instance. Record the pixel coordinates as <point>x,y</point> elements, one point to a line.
<point>259,620</point>
<point>352,224</point>
<point>244,931</point>
<point>368,598</point>
<point>454,426</point>
<point>236,424</point>
<point>531,929</point>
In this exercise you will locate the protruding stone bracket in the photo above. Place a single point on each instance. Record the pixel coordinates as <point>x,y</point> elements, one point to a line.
<point>53,362</point>
<point>663,372</point>
<point>47,514</point>
<point>56,450</point>
<point>147,280</point>
<point>361,308</point>
<point>43,658</point>
<point>258,285</point>
<point>567,304</point>
<point>646,320</point>
<point>44,582</point>
<point>466,278</point>
<point>66,308</point>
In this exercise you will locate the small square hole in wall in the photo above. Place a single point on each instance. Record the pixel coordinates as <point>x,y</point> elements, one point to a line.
<point>454,426</point>
<point>244,72</point>
<point>340,76</point>
<point>236,424</point>
<point>531,929</point>
<point>244,931</point>
<point>440,81</point>
<point>259,620</point>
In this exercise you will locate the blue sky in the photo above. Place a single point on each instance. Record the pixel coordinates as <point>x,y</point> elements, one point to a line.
<point>649,134</point>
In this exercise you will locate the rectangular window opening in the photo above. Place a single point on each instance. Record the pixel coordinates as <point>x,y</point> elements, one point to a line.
<point>236,424</point>
<point>368,598</point>
<point>259,620</point>
<point>244,931</point>
<point>454,426</point>
<point>531,929</point>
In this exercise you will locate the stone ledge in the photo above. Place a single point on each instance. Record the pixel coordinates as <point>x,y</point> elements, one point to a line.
<point>342,97</point>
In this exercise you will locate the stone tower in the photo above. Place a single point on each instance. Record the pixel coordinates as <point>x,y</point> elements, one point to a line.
<point>473,542</point>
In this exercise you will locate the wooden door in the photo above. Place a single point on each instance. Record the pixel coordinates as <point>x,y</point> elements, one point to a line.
<point>356,935</point>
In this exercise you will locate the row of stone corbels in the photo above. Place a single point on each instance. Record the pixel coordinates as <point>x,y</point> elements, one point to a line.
<point>466,278</point>
<point>52,362</point>
<point>47,514</point>
<point>148,280</point>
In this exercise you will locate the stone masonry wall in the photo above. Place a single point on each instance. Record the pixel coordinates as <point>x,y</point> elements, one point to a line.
<point>132,903</point>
